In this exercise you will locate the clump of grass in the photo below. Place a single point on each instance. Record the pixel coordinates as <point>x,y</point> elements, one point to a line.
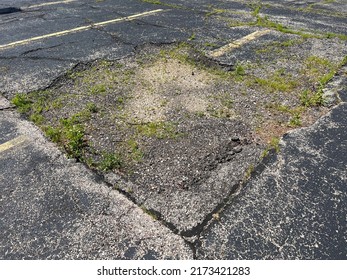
<point>53,133</point>
<point>92,108</point>
<point>32,105</point>
<point>309,98</point>
<point>256,7</point>
<point>274,144</point>
<point>70,134</point>
<point>295,113</point>
<point>239,70</point>
<point>22,102</point>
<point>134,150</point>
<point>37,118</point>
<point>277,82</point>
<point>192,37</point>
<point>295,120</point>
<point>98,89</point>
<point>110,161</point>
<point>160,130</point>
<point>314,65</point>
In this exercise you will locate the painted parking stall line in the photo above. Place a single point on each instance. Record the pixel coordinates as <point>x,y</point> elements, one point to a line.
<point>238,43</point>
<point>50,4</point>
<point>13,143</point>
<point>79,29</point>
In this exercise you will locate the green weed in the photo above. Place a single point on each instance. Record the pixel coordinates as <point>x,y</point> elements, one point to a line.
<point>134,151</point>
<point>240,70</point>
<point>53,133</point>
<point>92,108</point>
<point>273,145</point>
<point>110,161</point>
<point>315,65</point>
<point>278,82</point>
<point>37,118</point>
<point>73,140</point>
<point>98,89</point>
<point>22,102</point>
<point>192,37</point>
<point>309,98</point>
<point>160,130</point>
<point>248,173</point>
<point>295,121</point>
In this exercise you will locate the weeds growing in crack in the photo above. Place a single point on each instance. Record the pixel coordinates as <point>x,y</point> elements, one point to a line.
<point>266,22</point>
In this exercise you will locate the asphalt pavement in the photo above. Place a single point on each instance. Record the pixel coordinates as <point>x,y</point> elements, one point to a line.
<point>294,207</point>
<point>291,206</point>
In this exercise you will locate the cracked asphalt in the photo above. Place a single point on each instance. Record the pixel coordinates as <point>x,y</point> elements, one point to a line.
<point>293,204</point>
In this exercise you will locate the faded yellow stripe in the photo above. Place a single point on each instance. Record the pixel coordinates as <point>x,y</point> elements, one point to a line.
<point>238,43</point>
<point>13,143</point>
<point>78,29</point>
<point>50,3</point>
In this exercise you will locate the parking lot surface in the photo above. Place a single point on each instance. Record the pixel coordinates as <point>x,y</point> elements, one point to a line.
<point>173,129</point>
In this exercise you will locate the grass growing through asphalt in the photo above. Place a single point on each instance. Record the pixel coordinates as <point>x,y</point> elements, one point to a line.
<point>266,22</point>
<point>70,117</point>
<point>160,130</point>
<point>278,81</point>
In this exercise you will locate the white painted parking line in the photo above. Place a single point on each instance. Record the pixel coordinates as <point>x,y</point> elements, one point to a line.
<point>79,29</point>
<point>238,43</point>
<point>50,3</point>
<point>13,143</point>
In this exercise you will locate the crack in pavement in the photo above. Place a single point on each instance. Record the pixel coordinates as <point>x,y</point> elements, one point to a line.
<point>40,49</point>
<point>39,58</point>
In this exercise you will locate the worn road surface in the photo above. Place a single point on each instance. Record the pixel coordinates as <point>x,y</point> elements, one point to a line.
<point>290,205</point>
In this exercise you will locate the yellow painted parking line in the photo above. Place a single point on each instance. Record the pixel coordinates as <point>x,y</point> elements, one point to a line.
<point>13,143</point>
<point>78,29</point>
<point>238,43</point>
<point>50,3</point>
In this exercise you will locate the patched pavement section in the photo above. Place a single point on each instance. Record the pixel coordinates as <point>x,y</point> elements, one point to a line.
<point>54,208</point>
